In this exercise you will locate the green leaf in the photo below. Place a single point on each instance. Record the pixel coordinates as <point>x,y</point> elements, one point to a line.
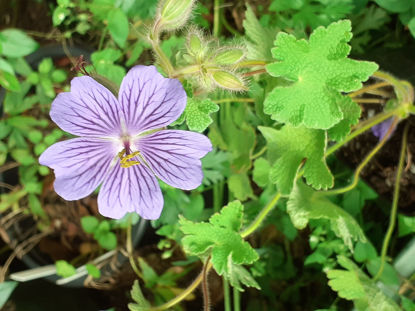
<point>108,240</point>
<point>353,284</point>
<point>36,206</point>
<point>45,66</point>
<point>261,172</point>
<point>219,237</point>
<point>10,199</point>
<point>118,26</point>
<point>15,43</point>
<point>406,225</point>
<point>6,289</point>
<point>64,268</point>
<point>320,71</point>
<point>59,15</point>
<point>59,76</point>
<point>288,147</point>
<point>259,42</point>
<point>351,114</point>
<point>238,276</point>
<point>364,252</point>
<point>9,81</point>
<point>304,204</point>
<point>141,303</point>
<point>395,6</point>
<point>240,186</point>
<point>197,113</point>
<point>215,167</point>
<point>89,224</point>
<point>3,152</point>
<point>149,275</point>
<point>93,271</point>
<point>389,275</point>
<point>23,156</point>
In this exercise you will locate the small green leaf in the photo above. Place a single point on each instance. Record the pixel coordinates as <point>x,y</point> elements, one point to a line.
<point>6,289</point>
<point>23,156</point>
<point>320,71</point>
<point>304,204</point>
<point>219,237</point>
<point>197,113</point>
<point>3,152</point>
<point>406,225</point>
<point>9,81</point>
<point>35,136</point>
<point>59,76</point>
<point>351,114</point>
<point>36,206</point>
<point>64,268</point>
<point>364,252</point>
<point>261,172</point>
<point>15,43</point>
<point>141,303</point>
<point>288,147</point>
<point>93,271</point>
<point>389,275</point>
<point>240,186</point>
<point>238,276</point>
<point>89,223</point>
<point>45,66</point>
<point>59,15</point>
<point>118,26</point>
<point>108,240</point>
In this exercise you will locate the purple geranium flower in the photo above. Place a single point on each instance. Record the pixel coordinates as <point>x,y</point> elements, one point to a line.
<point>380,130</point>
<point>118,146</point>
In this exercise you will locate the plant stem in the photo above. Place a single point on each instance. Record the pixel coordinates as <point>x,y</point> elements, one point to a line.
<point>236,300</point>
<point>183,294</point>
<point>369,100</point>
<point>365,126</point>
<point>255,72</point>
<point>101,40</point>
<point>216,18</point>
<point>262,214</point>
<point>229,27</point>
<point>226,294</point>
<point>129,246</point>
<point>369,88</point>
<point>162,58</point>
<point>364,162</point>
<point>392,219</point>
<point>251,63</point>
<point>259,153</point>
<point>234,100</point>
<point>217,196</point>
<point>205,286</point>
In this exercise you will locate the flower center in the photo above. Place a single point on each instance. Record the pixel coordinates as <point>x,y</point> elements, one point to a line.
<point>125,155</point>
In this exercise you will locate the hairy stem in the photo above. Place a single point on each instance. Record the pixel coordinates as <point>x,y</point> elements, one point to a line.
<point>236,300</point>
<point>369,88</point>
<point>164,61</point>
<point>392,219</point>
<point>234,100</point>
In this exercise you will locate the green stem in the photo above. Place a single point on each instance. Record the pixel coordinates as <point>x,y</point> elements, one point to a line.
<point>101,40</point>
<point>130,251</point>
<point>217,196</point>
<point>392,219</point>
<point>229,27</point>
<point>236,300</point>
<point>365,126</point>
<point>226,294</point>
<point>251,63</point>
<point>364,162</point>
<point>259,153</point>
<point>164,61</point>
<point>261,216</point>
<point>234,100</point>
<point>216,18</point>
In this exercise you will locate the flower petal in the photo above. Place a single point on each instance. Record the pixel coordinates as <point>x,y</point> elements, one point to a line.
<point>89,109</point>
<point>132,189</point>
<point>174,155</point>
<point>150,101</point>
<point>80,165</point>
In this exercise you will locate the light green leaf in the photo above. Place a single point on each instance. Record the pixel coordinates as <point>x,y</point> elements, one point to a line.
<point>389,275</point>
<point>353,284</point>
<point>240,186</point>
<point>141,303</point>
<point>64,268</point>
<point>197,113</point>
<point>93,271</point>
<point>107,240</point>
<point>9,81</point>
<point>15,43</point>
<point>364,252</point>
<point>6,289</point>
<point>395,6</point>
<point>238,276</point>
<point>351,114</point>
<point>288,147</point>
<point>89,224</point>
<point>406,225</point>
<point>261,172</point>
<point>259,42</point>
<point>320,72</point>
<point>59,15</point>
<point>3,152</point>
<point>118,26</point>
<point>36,206</point>
<point>304,204</point>
<point>219,238</point>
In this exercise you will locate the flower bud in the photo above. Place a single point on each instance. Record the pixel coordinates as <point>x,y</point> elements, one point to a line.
<point>228,56</point>
<point>228,81</point>
<point>173,14</point>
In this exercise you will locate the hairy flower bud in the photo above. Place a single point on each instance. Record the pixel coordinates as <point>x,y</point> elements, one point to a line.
<point>229,81</point>
<point>173,14</point>
<point>228,56</point>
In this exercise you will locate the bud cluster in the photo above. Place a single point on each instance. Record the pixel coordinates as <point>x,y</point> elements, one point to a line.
<point>212,65</point>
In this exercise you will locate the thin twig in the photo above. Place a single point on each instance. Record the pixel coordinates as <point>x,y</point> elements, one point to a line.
<point>8,166</point>
<point>205,286</point>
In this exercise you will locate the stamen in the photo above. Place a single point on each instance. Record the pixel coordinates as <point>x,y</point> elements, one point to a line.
<point>126,158</point>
